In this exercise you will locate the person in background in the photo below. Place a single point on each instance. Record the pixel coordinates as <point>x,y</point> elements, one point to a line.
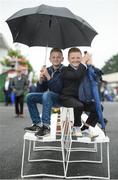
<point>49,87</point>
<point>19,87</point>
<point>7,91</point>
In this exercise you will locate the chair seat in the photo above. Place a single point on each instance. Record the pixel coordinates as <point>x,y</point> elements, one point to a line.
<point>98,139</point>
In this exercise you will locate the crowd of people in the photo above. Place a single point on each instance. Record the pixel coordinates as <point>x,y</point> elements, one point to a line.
<point>58,85</point>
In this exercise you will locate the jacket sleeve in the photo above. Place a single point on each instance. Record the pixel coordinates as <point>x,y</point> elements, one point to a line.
<point>42,87</point>
<point>26,83</point>
<point>55,84</point>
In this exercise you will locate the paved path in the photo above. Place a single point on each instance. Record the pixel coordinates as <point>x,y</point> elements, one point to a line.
<point>11,140</point>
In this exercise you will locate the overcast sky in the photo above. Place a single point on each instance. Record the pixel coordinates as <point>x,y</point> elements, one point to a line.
<point>101,14</point>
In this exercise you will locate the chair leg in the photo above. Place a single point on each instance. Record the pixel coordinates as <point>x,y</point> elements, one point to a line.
<point>23,155</point>
<point>108,160</point>
<point>29,151</point>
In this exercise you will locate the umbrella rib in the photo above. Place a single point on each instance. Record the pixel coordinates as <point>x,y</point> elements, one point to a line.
<point>16,36</point>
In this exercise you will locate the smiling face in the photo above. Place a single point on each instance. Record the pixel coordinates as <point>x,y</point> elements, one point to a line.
<point>75,58</point>
<point>56,58</point>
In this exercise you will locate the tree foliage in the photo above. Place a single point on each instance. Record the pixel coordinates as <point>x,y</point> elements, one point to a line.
<point>5,62</point>
<point>16,54</point>
<point>111,65</point>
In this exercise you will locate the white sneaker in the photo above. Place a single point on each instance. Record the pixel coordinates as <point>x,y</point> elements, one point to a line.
<point>92,132</point>
<point>86,131</point>
<point>77,131</point>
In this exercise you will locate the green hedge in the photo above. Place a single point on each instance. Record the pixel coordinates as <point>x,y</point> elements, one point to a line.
<point>2,80</point>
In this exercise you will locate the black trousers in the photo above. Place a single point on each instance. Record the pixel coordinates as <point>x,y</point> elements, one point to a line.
<point>7,97</point>
<point>79,107</point>
<point>19,104</point>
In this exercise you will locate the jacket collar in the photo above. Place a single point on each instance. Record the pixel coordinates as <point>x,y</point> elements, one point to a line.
<point>57,70</point>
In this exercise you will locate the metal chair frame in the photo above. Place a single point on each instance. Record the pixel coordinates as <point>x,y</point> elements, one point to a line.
<point>32,139</point>
<point>66,141</point>
<point>70,140</point>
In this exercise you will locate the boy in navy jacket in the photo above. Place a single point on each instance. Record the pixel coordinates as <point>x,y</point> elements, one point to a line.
<point>48,88</point>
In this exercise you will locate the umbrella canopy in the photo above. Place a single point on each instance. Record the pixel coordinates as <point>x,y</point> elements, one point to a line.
<point>50,26</point>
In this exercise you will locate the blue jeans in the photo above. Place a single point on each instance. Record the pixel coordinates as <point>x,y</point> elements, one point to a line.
<point>48,99</point>
<point>12,96</point>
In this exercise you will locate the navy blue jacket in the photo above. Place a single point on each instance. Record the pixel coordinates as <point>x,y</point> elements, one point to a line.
<point>55,84</point>
<point>85,93</point>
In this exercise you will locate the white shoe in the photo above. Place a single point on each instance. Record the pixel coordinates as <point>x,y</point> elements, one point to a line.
<point>92,132</point>
<point>77,131</point>
<point>86,131</point>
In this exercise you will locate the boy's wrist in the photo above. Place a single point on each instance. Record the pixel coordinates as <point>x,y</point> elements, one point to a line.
<point>84,64</point>
<point>48,77</point>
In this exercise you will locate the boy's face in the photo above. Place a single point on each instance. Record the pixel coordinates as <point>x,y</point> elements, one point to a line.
<point>75,58</point>
<point>56,58</point>
<point>19,73</point>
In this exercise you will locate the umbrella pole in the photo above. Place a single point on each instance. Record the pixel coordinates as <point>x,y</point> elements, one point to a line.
<point>46,51</point>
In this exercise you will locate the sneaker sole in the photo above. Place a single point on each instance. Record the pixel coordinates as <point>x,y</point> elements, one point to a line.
<point>31,131</point>
<point>93,137</point>
<point>43,135</point>
<point>77,135</point>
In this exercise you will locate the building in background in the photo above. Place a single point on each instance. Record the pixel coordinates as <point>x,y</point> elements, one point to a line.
<point>4,46</point>
<point>112,84</point>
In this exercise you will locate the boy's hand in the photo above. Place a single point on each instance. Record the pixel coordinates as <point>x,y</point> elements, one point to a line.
<point>89,62</point>
<point>44,73</point>
<point>41,76</point>
<point>87,59</point>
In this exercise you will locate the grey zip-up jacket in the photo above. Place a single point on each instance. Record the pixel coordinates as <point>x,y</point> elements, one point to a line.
<point>19,86</point>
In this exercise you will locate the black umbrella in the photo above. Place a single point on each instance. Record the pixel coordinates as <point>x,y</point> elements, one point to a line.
<point>50,26</point>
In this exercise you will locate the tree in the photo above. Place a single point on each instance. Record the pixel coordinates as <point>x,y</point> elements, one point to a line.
<point>14,53</point>
<point>111,65</point>
<point>13,56</point>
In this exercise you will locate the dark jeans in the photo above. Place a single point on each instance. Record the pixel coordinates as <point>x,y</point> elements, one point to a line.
<point>92,116</point>
<point>79,107</point>
<point>19,104</point>
<point>7,97</point>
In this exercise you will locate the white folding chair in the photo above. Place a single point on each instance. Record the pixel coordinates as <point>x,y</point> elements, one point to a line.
<point>32,141</point>
<point>67,115</point>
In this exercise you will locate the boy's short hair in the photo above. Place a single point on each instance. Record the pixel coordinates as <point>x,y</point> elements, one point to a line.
<point>56,50</point>
<point>74,49</point>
